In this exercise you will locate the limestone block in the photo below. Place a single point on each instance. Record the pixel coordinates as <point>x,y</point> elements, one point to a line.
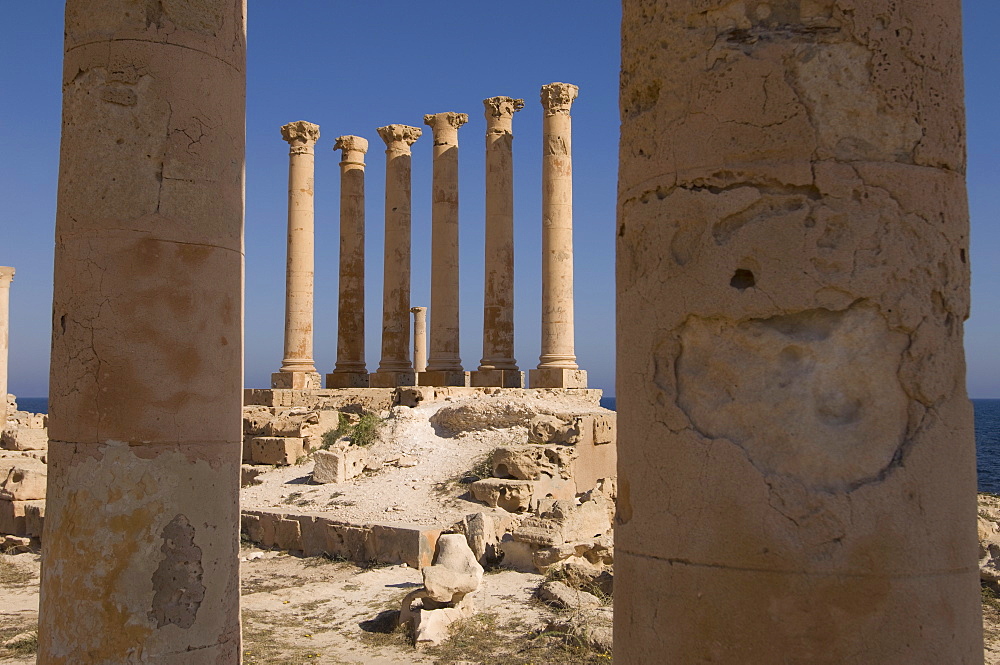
<point>12,516</point>
<point>296,381</point>
<point>288,534</point>
<point>276,450</point>
<point>484,530</point>
<point>557,378</point>
<point>297,421</point>
<point>464,575</point>
<point>392,379</point>
<point>430,627</point>
<point>500,378</point>
<point>25,438</point>
<point>517,555</point>
<point>24,483</point>
<point>558,594</point>
<point>532,462</point>
<point>255,418</point>
<point>339,464</point>
<point>34,518</point>
<point>348,380</point>
<point>443,378</point>
<point>605,428</point>
<point>545,428</point>
<point>249,474</point>
<point>15,545</point>
<point>514,496</point>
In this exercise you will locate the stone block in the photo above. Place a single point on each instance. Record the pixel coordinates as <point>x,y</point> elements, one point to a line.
<point>296,381</point>
<point>392,379</point>
<point>24,438</point>
<point>34,518</point>
<point>248,475</point>
<point>348,380</point>
<point>498,378</point>
<point>12,517</point>
<point>23,483</point>
<point>605,429</point>
<point>533,461</point>
<point>338,464</point>
<point>514,496</point>
<point>557,378</point>
<point>443,378</point>
<point>545,428</point>
<point>288,534</point>
<point>276,450</point>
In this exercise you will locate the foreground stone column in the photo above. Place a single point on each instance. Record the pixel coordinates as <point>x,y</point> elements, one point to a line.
<point>6,276</point>
<point>444,366</point>
<point>797,473</point>
<point>297,369</point>
<point>557,366</point>
<point>395,368</point>
<point>350,370</point>
<point>141,557</point>
<point>419,339</point>
<point>498,366</point>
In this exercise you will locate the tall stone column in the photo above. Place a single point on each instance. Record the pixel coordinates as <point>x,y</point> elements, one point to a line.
<point>797,471</point>
<point>297,369</point>
<point>557,366</point>
<point>444,365</point>
<point>419,339</point>
<point>498,366</point>
<point>350,370</point>
<point>395,368</point>
<point>6,276</point>
<point>141,558</point>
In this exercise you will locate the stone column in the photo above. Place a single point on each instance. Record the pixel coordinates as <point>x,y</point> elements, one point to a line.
<point>350,370</point>
<point>444,366</point>
<point>297,369</point>
<point>142,520</point>
<point>557,366</point>
<point>419,339</point>
<point>395,368</point>
<point>797,472</point>
<point>498,366</point>
<point>6,276</point>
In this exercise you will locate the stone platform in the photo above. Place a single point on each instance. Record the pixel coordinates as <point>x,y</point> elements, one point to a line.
<point>374,400</point>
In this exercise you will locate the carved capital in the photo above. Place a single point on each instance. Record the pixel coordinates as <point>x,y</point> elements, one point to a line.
<point>454,120</point>
<point>558,97</point>
<point>394,135</point>
<point>502,107</point>
<point>301,136</point>
<point>6,275</point>
<point>351,144</point>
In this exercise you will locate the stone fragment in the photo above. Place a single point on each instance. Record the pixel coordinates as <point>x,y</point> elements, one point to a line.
<point>558,594</point>
<point>532,462</point>
<point>12,516</point>
<point>553,429</point>
<point>24,438</point>
<point>339,464</point>
<point>34,518</point>
<point>590,627</point>
<point>24,483</point>
<point>15,544</point>
<point>249,475</point>
<point>276,450</point>
<point>586,576</point>
<point>514,496</point>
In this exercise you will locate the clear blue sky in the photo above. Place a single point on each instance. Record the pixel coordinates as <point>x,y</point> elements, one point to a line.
<point>353,66</point>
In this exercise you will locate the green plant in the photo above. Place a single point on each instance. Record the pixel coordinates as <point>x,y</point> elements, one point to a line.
<point>361,433</point>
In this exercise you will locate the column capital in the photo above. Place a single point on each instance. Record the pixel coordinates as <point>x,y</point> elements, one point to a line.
<point>400,137</point>
<point>6,275</point>
<point>351,144</point>
<point>417,310</point>
<point>558,97</point>
<point>444,120</point>
<point>501,107</point>
<point>301,136</point>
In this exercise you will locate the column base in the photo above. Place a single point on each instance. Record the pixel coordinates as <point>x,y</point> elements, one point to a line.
<point>497,378</point>
<point>392,379</point>
<point>347,380</point>
<point>296,380</point>
<point>557,378</point>
<point>443,378</point>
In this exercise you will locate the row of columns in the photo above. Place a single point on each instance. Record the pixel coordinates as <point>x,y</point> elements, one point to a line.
<point>557,366</point>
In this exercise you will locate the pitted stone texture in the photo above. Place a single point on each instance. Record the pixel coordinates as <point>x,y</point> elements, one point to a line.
<point>338,464</point>
<point>24,482</point>
<point>798,470</point>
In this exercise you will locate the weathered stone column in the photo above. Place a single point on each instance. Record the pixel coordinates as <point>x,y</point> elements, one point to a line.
<point>395,368</point>
<point>6,276</point>
<point>797,473</point>
<point>141,557</point>
<point>350,370</point>
<point>557,366</point>
<point>498,366</point>
<point>297,369</point>
<point>444,365</point>
<point>419,339</point>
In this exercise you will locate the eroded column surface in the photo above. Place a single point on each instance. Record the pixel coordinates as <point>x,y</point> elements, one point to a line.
<point>350,370</point>
<point>141,558</point>
<point>6,276</point>
<point>557,366</point>
<point>498,366</point>
<point>796,458</point>
<point>444,365</point>
<point>419,339</point>
<point>395,368</point>
<point>297,369</point>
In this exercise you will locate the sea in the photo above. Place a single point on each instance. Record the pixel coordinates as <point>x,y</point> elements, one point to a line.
<point>987,435</point>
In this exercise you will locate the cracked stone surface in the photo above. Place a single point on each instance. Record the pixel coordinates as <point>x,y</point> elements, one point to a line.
<point>797,468</point>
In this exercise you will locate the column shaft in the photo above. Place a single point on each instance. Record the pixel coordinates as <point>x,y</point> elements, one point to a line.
<point>444,364</point>
<point>557,366</point>
<point>141,557</point>
<point>350,371</point>
<point>796,460</point>
<point>419,339</point>
<point>6,276</point>
<point>297,368</point>
<point>395,368</point>
<point>498,366</point>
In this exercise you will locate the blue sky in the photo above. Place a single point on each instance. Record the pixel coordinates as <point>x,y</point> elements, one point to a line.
<point>353,66</point>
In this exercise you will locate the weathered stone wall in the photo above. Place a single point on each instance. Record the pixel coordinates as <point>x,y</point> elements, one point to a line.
<point>797,469</point>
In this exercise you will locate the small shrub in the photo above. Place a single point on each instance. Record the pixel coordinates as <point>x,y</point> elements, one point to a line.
<point>361,433</point>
